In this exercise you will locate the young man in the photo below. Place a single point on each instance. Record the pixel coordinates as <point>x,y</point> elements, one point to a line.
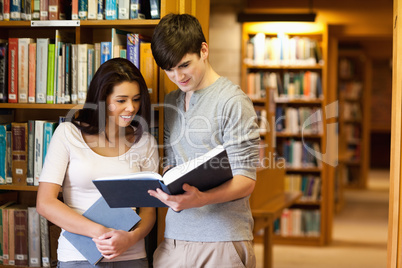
<point>211,228</point>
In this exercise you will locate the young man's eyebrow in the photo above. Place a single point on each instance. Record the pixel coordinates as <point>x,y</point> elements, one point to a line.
<point>184,63</point>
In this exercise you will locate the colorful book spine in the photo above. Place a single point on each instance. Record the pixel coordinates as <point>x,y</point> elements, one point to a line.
<point>111,10</point>
<point>42,48</point>
<point>15,10</point>
<point>74,9</point>
<point>134,7</point>
<point>48,130</point>
<point>3,153</point>
<point>5,244</point>
<point>31,72</point>
<point>100,6</point>
<point>133,49</point>
<point>6,10</point>
<point>54,9</point>
<point>67,68</point>
<point>13,70</point>
<point>91,63</point>
<point>9,169</point>
<point>38,147</point>
<point>155,6</point>
<point>3,72</point>
<point>83,9</point>
<point>50,74</point>
<point>106,51</point>
<point>36,10</point>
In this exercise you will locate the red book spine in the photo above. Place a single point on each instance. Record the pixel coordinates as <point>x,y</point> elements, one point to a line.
<point>13,70</point>
<point>32,72</point>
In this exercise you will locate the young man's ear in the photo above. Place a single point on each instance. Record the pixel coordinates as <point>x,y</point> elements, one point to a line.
<point>204,51</point>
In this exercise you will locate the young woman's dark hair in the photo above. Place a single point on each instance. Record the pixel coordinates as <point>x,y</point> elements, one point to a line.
<point>168,49</point>
<point>91,119</point>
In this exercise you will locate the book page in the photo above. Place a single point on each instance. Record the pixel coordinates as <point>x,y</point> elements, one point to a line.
<point>178,171</point>
<point>139,175</point>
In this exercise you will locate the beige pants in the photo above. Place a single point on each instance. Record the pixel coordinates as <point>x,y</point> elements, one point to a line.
<point>182,254</point>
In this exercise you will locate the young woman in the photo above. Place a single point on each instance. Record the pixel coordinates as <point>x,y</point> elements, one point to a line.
<point>108,137</point>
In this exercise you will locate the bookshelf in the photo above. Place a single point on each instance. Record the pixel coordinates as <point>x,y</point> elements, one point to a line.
<point>92,31</point>
<point>284,71</point>
<point>354,89</point>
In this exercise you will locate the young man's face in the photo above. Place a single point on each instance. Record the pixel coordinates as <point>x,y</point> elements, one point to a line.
<point>189,73</point>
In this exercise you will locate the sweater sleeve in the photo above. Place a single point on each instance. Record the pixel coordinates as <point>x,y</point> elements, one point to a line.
<point>241,135</point>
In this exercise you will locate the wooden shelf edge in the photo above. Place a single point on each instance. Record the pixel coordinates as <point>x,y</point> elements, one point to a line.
<point>40,106</point>
<point>19,187</point>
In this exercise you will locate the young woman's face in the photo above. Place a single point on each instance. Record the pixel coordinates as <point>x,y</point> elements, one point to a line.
<point>189,73</point>
<point>123,104</point>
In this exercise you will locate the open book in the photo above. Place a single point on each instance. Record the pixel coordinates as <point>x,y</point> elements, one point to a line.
<point>100,212</point>
<point>204,172</point>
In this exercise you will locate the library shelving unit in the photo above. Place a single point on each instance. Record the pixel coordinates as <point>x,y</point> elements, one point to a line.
<point>354,89</point>
<point>284,72</point>
<point>90,31</point>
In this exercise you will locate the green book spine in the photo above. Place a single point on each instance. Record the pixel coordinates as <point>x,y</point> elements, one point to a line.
<point>50,74</point>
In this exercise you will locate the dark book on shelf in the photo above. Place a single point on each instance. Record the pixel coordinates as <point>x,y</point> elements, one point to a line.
<point>3,72</point>
<point>117,218</point>
<point>204,172</point>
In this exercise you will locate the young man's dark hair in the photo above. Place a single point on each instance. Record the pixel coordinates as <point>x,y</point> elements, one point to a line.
<point>175,37</point>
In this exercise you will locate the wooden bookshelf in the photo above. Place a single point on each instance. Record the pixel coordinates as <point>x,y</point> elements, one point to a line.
<point>270,94</point>
<point>91,31</point>
<point>354,88</point>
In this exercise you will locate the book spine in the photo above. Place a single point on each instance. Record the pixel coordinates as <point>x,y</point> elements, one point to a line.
<point>13,70</point>
<point>50,74</point>
<point>99,15</point>
<point>28,9</point>
<point>133,49</point>
<point>67,80</point>
<point>58,88</point>
<point>42,46</point>
<point>48,130</point>
<point>111,10</point>
<point>82,72</point>
<point>92,9</point>
<point>106,51</point>
<point>44,239</point>
<point>11,237</point>
<point>44,10</point>
<point>5,236</point>
<point>31,152</point>
<point>3,72</point>
<point>23,77</point>
<point>155,7</point>
<point>34,238</point>
<point>91,62</point>
<point>62,73</point>
<point>97,60</point>
<point>74,73</point>
<point>19,145</point>
<point>54,9</point>
<point>123,11</point>
<point>6,10</point>
<point>1,18</point>
<point>15,10</point>
<point>31,72</point>
<point>134,7</point>
<point>3,153</point>
<point>39,124</point>
<point>74,9</point>
<point>83,9</point>
<point>36,10</point>
<point>21,236</point>
<point>9,170</point>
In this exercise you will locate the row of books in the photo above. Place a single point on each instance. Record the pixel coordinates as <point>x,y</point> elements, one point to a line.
<point>292,120</point>
<point>58,71</point>
<point>23,148</point>
<point>352,111</point>
<point>299,154</point>
<point>298,222</point>
<point>351,90</point>
<point>283,50</point>
<point>26,237</point>
<point>300,85</point>
<point>15,10</point>
<point>308,185</point>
